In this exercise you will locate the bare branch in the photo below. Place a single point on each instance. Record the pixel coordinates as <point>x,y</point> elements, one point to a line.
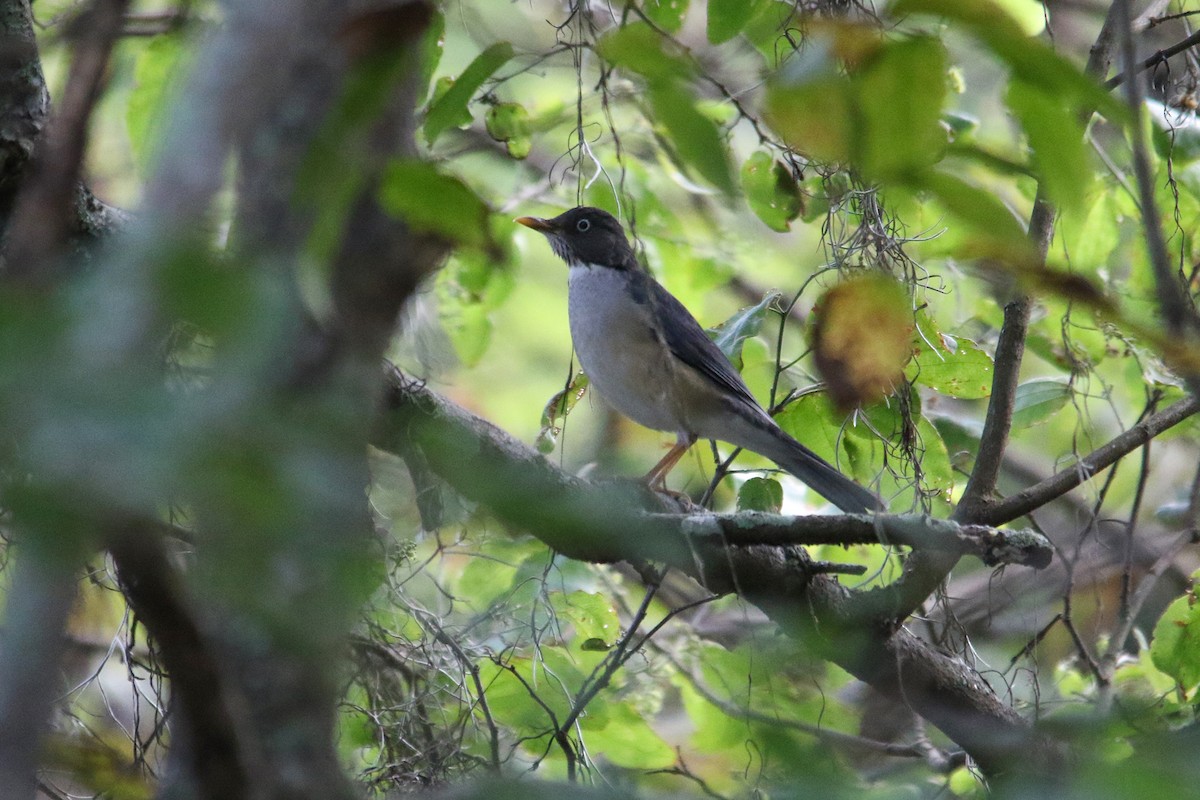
<point>1173,300</point>
<point>1060,483</point>
<point>1154,60</point>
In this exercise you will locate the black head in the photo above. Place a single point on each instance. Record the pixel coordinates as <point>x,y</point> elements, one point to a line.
<point>585,235</point>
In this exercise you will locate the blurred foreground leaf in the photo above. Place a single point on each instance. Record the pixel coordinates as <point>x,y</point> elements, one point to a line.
<point>450,109</point>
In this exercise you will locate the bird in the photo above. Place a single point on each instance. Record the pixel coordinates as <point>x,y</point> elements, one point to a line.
<point>649,358</point>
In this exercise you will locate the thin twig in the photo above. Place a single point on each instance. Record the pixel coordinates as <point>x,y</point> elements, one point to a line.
<point>1036,496</point>
<point>1153,575</point>
<point>1130,533</point>
<point>1154,60</point>
<point>613,660</point>
<point>830,736</point>
<point>1173,300</point>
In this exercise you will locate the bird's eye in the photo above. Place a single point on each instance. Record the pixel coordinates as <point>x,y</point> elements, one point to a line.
<point>583,225</point>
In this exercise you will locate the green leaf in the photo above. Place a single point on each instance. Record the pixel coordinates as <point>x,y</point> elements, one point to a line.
<point>433,202</point>
<point>509,123</point>
<point>592,615</point>
<point>948,365</point>
<point>1036,401</point>
<point>1030,15</point>
<point>812,420</point>
<point>1175,133</point>
<point>964,782</point>
<point>1055,135</point>
<point>937,470</point>
<point>726,18</point>
<point>666,14</point>
<point>639,48</point>
<point>732,334</point>
<point>960,124</point>
<point>450,110</point>
<point>815,114</point>
<point>694,136</point>
<point>900,92</point>
<point>508,697</point>
<point>760,494</point>
<point>1030,60</point>
<point>433,43</point>
<point>470,331</point>
<point>886,117</point>
<point>982,210</point>
<point>978,16</point>
<point>486,577</point>
<point>771,190</point>
<point>1007,17</point>
<point>771,20</point>
<point>154,85</point>
<point>557,409</point>
<point>626,739</point>
<point>1176,646</point>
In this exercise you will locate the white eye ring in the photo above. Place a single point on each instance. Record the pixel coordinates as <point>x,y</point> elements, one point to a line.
<point>583,225</point>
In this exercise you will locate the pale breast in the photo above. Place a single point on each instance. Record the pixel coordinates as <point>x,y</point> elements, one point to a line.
<point>627,364</point>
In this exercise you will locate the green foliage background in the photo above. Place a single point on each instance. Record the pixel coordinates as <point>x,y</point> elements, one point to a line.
<point>756,151</point>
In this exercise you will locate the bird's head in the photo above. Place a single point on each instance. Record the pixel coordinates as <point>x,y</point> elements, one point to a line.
<point>585,235</point>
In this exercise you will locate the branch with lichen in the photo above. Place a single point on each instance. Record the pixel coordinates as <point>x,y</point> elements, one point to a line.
<point>608,521</point>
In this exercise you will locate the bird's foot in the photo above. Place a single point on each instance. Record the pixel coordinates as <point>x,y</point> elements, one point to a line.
<point>680,499</point>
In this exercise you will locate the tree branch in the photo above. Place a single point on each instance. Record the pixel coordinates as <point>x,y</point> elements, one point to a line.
<point>1154,60</point>
<point>45,211</point>
<point>924,572</point>
<point>599,522</point>
<point>990,545</point>
<point>1036,496</point>
<point>26,100</point>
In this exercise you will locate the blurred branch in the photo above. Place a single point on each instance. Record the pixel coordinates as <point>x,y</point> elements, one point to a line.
<point>50,550</point>
<point>1154,60</point>
<point>154,23</point>
<point>600,522</point>
<point>43,589</point>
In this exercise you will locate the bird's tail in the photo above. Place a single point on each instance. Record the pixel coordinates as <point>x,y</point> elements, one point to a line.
<point>768,439</point>
<point>827,481</point>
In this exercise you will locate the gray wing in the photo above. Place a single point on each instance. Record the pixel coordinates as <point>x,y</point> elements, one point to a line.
<point>691,345</point>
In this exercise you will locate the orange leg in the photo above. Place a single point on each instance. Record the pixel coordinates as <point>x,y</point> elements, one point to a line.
<point>657,476</point>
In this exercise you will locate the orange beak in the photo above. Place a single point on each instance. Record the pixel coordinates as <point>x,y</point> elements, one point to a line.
<point>537,223</point>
